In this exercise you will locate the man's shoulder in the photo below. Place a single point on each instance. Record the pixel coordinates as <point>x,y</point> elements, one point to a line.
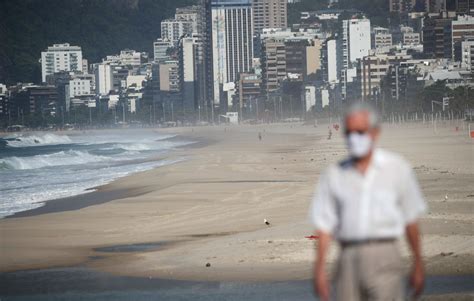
<point>381,156</point>
<point>337,167</point>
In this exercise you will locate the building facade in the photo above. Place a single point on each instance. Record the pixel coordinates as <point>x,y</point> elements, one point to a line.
<point>81,85</point>
<point>60,57</point>
<point>329,62</point>
<point>355,41</point>
<point>232,42</point>
<point>129,57</point>
<point>173,29</point>
<point>382,40</point>
<point>190,14</point>
<point>169,76</point>
<point>461,29</point>
<point>467,54</point>
<point>465,7</point>
<point>273,63</point>
<point>104,80</point>
<point>437,40</point>
<point>373,68</point>
<point>411,38</point>
<point>248,91</point>
<point>401,6</point>
<point>269,14</point>
<point>191,73</point>
<point>160,50</point>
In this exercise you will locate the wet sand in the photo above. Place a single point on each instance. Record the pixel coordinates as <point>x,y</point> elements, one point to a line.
<point>210,208</point>
<point>85,284</point>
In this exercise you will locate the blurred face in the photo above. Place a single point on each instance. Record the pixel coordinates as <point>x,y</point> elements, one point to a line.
<point>360,137</point>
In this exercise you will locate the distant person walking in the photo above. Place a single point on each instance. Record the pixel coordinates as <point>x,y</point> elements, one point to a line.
<point>366,203</point>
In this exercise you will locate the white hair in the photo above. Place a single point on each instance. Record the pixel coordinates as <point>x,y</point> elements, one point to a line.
<point>374,121</point>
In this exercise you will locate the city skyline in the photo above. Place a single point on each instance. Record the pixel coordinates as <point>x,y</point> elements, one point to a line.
<point>214,57</point>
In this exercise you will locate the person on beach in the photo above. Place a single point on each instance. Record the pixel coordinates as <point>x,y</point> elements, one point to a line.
<point>366,202</point>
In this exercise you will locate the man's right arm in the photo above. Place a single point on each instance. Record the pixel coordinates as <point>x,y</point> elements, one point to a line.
<point>324,218</point>
<point>321,283</point>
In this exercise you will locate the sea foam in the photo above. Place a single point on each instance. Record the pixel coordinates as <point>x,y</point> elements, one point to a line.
<point>36,140</point>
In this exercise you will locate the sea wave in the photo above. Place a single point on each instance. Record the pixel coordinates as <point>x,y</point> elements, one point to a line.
<point>70,157</point>
<point>53,185</point>
<point>36,140</point>
<point>135,147</point>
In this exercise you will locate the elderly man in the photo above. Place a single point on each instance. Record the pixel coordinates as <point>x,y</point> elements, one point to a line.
<point>366,203</point>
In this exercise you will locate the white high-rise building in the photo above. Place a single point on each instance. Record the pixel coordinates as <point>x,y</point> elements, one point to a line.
<point>81,85</point>
<point>232,43</point>
<point>467,54</point>
<point>332,61</point>
<point>60,57</point>
<point>173,29</point>
<point>355,40</point>
<point>104,81</point>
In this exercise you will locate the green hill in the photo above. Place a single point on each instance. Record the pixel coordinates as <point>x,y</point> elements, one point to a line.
<point>100,27</point>
<point>104,27</point>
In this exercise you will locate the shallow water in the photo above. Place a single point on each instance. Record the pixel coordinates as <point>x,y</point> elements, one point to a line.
<point>85,284</point>
<point>38,167</point>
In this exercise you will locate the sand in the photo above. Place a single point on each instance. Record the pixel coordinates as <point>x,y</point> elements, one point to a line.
<point>210,208</point>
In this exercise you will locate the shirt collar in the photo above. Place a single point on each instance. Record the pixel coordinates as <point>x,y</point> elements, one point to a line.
<point>378,159</point>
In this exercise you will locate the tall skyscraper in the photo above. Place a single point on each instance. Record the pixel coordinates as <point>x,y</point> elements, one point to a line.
<point>269,14</point>
<point>191,73</point>
<point>60,57</point>
<point>232,43</point>
<point>104,79</point>
<point>329,61</point>
<point>355,44</point>
<point>355,40</point>
<point>205,30</point>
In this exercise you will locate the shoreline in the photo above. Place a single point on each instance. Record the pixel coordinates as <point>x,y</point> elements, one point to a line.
<point>211,209</point>
<point>102,194</point>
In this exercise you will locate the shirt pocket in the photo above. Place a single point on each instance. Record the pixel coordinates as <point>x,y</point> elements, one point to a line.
<point>385,211</point>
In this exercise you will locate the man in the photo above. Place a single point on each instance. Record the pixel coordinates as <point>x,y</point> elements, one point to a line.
<point>366,203</point>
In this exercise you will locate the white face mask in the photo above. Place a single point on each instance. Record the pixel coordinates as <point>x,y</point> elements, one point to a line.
<point>359,145</point>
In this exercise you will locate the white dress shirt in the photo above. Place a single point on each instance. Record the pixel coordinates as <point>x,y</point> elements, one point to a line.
<point>378,204</point>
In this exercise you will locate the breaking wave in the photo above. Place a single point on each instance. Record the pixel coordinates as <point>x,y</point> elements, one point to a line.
<point>36,140</point>
<point>70,157</point>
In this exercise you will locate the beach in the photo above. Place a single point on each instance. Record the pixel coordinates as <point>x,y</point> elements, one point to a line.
<point>209,208</point>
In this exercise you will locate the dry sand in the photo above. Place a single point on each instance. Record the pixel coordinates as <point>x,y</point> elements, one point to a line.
<point>210,208</point>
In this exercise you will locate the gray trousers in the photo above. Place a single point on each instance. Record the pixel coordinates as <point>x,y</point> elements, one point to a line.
<point>369,271</point>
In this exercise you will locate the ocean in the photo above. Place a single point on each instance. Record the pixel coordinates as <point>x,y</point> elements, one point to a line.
<point>41,166</point>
